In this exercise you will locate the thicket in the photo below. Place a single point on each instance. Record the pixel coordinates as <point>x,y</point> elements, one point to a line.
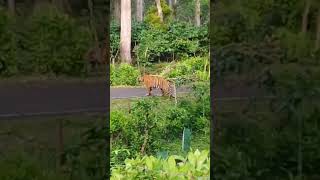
<point>194,69</point>
<point>259,39</point>
<point>273,144</point>
<point>248,35</point>
<point>124,74</point>
<point>46,42</point>
<point>194,165</point>
<point>151,45</point>
<point>151,123</point>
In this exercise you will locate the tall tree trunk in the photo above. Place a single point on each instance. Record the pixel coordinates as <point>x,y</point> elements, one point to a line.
<point>92,22</point>
<point>174,8</point>
<point>139,10</point>
<point>197,13</point>
<point>125,35</point>
<point>305,16</point>
<point>318,31</point>
<point>170,3</point>
<point>11,6</point>
<point>67,6</point>
<point>63,5</point>
<point>159,8</point>
<point>117,10</point>
<point>58,4</point>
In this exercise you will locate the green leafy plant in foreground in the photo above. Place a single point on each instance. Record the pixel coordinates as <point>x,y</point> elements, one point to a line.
<point>195,165</point>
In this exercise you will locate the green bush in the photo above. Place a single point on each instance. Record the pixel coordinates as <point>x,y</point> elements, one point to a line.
<point>153,19</point>
<point>162,119</point>
<point>153,44</point>
<point>195,68</point>
<point>8,45</point>
<point>178,41</point>
<point>297,46</point>
<point>46,42</point>
<point>21,166</point>
<point>114,38</point>
<point>119,121</point>
<point>84,159</point>
<point>124,74</point>
<point>136,29</point>
<point>195,165</point>
<point>52,43</point>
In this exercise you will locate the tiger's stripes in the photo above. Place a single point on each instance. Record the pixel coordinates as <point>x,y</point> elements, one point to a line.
<point>151,82</point>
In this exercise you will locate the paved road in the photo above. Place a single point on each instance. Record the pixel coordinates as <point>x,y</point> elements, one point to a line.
<point>54,98</point>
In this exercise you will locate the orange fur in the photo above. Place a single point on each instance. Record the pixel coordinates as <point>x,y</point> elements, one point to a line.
<point>157,82</point>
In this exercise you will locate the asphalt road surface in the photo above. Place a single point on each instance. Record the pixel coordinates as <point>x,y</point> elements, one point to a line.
<point>64,98</point>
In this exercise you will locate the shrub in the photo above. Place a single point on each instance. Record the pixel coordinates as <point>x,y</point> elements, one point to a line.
<point>119,121</point>
<point>136,30</point>
<point>195,165</point>
<point>175,119</point>
<point>195,68</point>
<point>179,40</point>
<point>52,43</point>
<point>124,74</point>
<point>162,119</point>
<point>297,46</point>
<point>153,19</point>
<point>17,166</point>
<point>8,45</point>
<point>114,38</point>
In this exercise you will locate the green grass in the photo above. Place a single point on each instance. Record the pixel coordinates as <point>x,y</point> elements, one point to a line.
<point>199,141</point>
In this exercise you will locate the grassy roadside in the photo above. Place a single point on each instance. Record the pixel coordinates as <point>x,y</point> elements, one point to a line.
<point>200,140</point>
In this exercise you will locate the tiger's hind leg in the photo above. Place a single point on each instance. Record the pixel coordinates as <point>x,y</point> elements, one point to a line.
<point>162,91</point>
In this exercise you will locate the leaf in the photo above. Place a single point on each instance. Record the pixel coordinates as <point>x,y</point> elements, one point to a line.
<point>149,163</point>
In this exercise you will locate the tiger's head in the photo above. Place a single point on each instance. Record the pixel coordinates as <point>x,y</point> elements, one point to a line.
<point>140,79</point>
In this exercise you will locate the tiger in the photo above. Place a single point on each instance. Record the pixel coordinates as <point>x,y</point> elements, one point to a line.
<point>167,87</point>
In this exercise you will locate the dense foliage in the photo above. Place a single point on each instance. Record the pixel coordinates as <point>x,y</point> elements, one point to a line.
<point>47,42</point>
<point>274,28</point>
<point>151,45</point>
<point>262,43</point>
<point>195,68</point>
<point>153,19</point>
<point>152,123</point>
<point>162,119</point>
<point>124,74</point>
<point>195,165</point>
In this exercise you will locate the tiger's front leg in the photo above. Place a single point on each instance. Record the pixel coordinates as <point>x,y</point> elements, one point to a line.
<point>149,91</point>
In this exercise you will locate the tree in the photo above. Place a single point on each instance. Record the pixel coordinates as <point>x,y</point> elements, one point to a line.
<point>174,8</point>
<point>170,4</point>
<point>197,13</point>
<point>117,10</point>
<point>159,8</point>
<point>63,5</point>
<point>317,43</point>
<point>305,15</point>
<point>11,6</point>
<point>125,34</point>
<point>139,12</point>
